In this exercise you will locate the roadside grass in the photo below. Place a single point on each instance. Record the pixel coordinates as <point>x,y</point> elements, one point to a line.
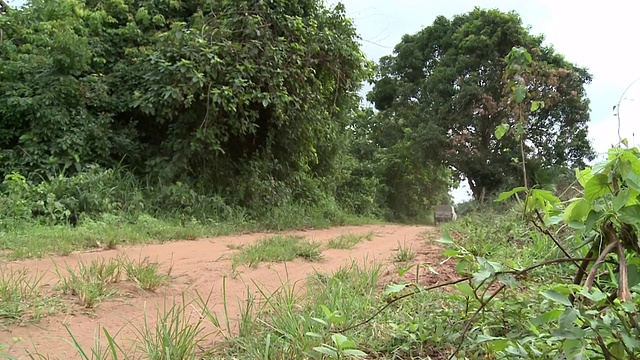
<point>297,321</point>
<point>178,333</point>
<point>305,320</point>
<point>503,236</point>
<point>145,274</point>
<point>348,241</point>
<point>94,282</point>
<point>90,283</point>
<point>21,299</point>
<point>294,324</point>
<point>109,232</point>
<point>33,240</point>
<point>277,248</point>
<point>404,254</point>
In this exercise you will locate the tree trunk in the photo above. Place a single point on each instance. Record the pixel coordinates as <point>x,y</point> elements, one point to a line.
<point>478,191</point>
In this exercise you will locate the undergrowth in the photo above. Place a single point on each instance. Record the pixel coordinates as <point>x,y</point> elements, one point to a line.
<point>106,208</point>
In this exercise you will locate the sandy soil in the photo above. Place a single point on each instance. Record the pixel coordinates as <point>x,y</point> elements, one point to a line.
<point>200,266</point>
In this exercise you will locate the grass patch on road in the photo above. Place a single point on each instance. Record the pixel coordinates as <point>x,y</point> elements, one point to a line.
<point>278,248</point>
<point>348,241</point>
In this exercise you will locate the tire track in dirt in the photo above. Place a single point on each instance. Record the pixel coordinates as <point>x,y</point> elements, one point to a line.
<point>200,266</point>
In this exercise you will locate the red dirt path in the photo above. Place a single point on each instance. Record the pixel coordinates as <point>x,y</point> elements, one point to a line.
<point>201,265</point>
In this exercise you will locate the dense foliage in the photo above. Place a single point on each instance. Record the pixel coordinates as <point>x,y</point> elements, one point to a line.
<point>245,101</point>
<point>445,85</point>
<point>254,105</point>
<point>173,91</point>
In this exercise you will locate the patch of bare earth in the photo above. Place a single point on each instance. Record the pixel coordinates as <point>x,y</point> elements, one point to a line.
<point>201,266</point>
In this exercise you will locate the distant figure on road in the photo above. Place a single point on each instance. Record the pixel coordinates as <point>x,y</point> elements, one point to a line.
<point>445,213</point>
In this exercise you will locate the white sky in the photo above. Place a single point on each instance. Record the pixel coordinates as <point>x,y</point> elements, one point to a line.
<point>597,35</point>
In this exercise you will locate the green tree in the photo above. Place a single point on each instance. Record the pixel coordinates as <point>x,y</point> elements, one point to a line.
<point>445,85</point>
<point>246,98</point>
<point>384,176</point>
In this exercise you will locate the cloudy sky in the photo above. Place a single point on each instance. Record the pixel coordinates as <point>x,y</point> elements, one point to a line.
<point>599,36</point>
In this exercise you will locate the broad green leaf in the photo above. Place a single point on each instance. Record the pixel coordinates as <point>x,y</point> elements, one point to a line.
<point>520,93</point>
<point>597,186</point>
<point>548,317</point>
<point>573,349</point>
<point>535,105</point>
<point>450,253</point>
<point>320,321</point>
<point>326,311</point>
<point>532,327</point>
<point>594,295</point>
<point>617,349</point>
<point>446,238</point>
<point>557,297</point>
<point>501,130</point>
<point>576,225</point>
<point>621,199</point>
<point>505,195</point>
<point>326,351</point>
<point>466,289</point>
<point>583,176</point>
<point>402,271</point>
<point>481,276</point>
<point>600,167</point>
<point>484,338</point>
<point>339,339</point>
<point>553,220</point>
<point>519,130</point>
<point>508,279</point>
<point>354,352</point>
<point>518,352</point>
<point>463,267</point>
<point>630,214</point>
<point>633,271</point>
<point>395,288</point>
<point>541,200</point>
<point>578,210</point>
<point>499,344</point>
<point>631,343</point>
<point>592,219</point>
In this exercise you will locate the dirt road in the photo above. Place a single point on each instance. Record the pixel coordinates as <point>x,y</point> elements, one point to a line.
<point>200,265</point>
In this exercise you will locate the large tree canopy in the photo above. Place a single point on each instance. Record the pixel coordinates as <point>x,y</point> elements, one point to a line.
<point>445,85</point>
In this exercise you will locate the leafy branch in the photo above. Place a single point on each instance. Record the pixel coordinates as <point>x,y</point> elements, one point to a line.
<point>396,289</point>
